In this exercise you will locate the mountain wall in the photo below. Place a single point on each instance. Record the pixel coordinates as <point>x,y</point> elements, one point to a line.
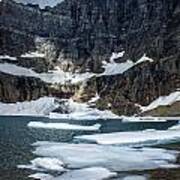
<point>81,34</point>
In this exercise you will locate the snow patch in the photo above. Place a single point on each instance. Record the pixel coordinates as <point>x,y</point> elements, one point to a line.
<point>113,68</point>
<point>94,99</point>
<point>116,56</point>
<point>144,58</point>
<point>42,3</point>
<point>33,55</point>
<point>162,101</point>
<point>17,70</point>
<point>39,107</point>
<point>64,126</point>
<point>56,76</point>
<point>59,76</point>
<point>8,57</point>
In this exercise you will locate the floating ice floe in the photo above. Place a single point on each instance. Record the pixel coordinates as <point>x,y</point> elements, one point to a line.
<point>45,163</point>
<point>114,158</point>
<point>91,173</point>
<point>163,101</point>
<point>8,57</point>
<point>64,126</point>
<point>39,107</point>
<point>41,176</point>
<point>144,119</point>
<point>134,177</point>
<point>136,137</point>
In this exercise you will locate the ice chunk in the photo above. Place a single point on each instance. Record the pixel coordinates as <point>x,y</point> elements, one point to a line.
<point>41,176</point>
<point>114,158</point>
<point>65,126</point>
<point>92,173</point>
<point>45,163</point>
<point>152,136</point>
<point>135,177</point>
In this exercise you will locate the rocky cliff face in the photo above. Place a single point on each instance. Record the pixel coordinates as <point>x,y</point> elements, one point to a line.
<point>13,88</point>
<point>87,32</point>
<point>80,34</point>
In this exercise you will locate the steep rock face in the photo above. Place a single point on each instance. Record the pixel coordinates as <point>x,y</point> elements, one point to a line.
<point>139,85</point>
<point>82,33</point>
<point>88,31</point>
<point>19,88</point>
<point>13,88</point>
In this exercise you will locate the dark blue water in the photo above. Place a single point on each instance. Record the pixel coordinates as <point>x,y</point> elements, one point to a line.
<point>16,139</point>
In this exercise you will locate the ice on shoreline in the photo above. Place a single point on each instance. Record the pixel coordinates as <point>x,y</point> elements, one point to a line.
<point>82,111</point>
<point>40,107</point>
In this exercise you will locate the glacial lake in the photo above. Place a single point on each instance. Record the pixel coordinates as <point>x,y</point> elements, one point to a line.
<point>16,139</point>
